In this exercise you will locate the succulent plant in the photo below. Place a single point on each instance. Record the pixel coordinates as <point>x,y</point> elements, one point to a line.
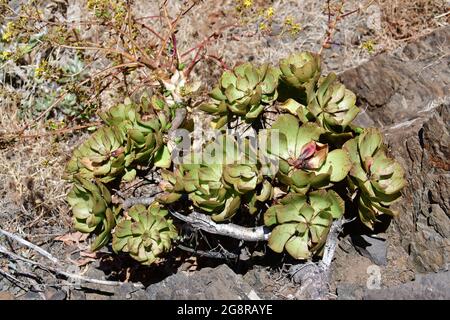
<point>303,222</point>
<point>92,209</point>
<point>101,156</point>
<point>204,185</point>
<point>151,115</point>
<point>217,179</point>
<point>143,132</point>
<point>115,150</point>
<point>244,92</point>
<point>254,198</point>
<point>241,177</point>
<point>245,179</point>
<point>333,105</point>
<point>146,234</point>
<point>122,114</point>
<point>305,162</point>
<point>143,141</point>
<point>297,168</point>
<point>301,70</point>
<point>379,178</point>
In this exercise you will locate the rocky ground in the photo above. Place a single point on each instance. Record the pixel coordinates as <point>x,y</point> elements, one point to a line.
<point>407,94</point>
<point>404,91</point>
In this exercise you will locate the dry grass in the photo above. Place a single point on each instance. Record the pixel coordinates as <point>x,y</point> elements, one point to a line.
<point>31,187</point>
<point>405,19</point>
<point>378,26</point>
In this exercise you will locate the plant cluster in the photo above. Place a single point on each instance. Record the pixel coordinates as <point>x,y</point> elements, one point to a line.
<point>132,139</point>
<point>326,166</point>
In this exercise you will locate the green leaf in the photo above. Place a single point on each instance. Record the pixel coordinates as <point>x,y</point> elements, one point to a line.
<point>217,94</point>
<point>308,212</point>
<point>369,142</point>
<point>252,77</point>
<point>209,107</point>
<point>339,162</point>
<point>280,235</point>
<point>289,213</point>
<point>287,125</point>
<point>270,216</point>
<point>266,192</point>
<point>227,79</point>
<point>242,84</point>
<point>231,207</point>
<point>129,176</point>
<point>319,200</point>
<point>297,247</point>
<point>233,94</point>
<point>254,112</point>
<point>337,207</point>
<point>322,218</point>
<point>163,158</point>
<point>366,214</point>
<point>220,122</point>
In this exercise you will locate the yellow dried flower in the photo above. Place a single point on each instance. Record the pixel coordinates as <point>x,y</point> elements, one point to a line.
<point>368,45</point>
<point>41,69</point>
<point>288,21</point>
<point>295,29</point>
<point>247,3</point>
<point>8,34</point>
<point>5,55</point>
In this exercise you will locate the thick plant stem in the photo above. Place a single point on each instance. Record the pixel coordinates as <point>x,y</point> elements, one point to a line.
<point>205,223</point>
<point>331,244</point>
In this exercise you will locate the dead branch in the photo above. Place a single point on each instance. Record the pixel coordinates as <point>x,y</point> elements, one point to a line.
<point>148,200</point>
<point>16,257</point>
<point>331,244</point>
<point>205,223</point>
<point>14,280</point>
<point>61,131</point>
<point>30,245</point>
<point>209,254</point>
<point>339,15</point>
<point>180,115</point>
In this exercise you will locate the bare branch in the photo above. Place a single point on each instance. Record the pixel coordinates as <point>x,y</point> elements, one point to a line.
<point>332,242</point>
<point>204,222</point>
<point>209,254</point>
<point>13,279</point>
<point>180,115</point>
<point>339,15</point>
<point>148,200</point>
<point>14,256</point>
<point>30,245</point>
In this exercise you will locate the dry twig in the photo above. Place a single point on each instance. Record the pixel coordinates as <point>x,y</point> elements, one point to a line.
<point>30,245</point>
<point>209,254</point>
<point>69,275</point>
